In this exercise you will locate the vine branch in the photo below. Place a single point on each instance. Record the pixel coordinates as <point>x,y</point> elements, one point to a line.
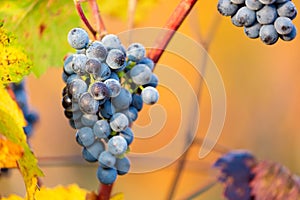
<point>105,192</point>
<point>174,22</point>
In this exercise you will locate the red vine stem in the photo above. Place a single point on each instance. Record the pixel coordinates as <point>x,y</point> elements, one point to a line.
<point>83,18</point>
<point>174,22</point>
<point>105,192</point>
<point>101,30</point>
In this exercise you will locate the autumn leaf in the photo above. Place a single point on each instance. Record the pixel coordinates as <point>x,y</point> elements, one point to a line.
<point>118,196</point>
<point>71,192</point>
<point>10,153</point>
<point>14,63</point>
<point>11,126</point>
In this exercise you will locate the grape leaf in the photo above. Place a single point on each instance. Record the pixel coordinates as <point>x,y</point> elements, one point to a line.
<point>43,25</point>
<point>118,196</point>
<point>10,153</point>
<point>14,63</point>
<point>72,192</point>
<point>11,126</point>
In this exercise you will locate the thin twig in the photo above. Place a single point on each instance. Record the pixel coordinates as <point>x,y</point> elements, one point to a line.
<point>100,27</point>
<point>183,158</point>
<point>174,22</point>
<point>84,19</point>
<point>201,190</point>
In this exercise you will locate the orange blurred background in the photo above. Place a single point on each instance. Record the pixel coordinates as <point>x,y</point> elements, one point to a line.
<point>262,89</point>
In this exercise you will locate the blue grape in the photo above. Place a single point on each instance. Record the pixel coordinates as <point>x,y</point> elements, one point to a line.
<point>137,101</point>
<point>150,95</point>
<point>99,91</point>
<point>88,104</point>
<point>245,16</point>
<point>238,1</point>
<point>88,156</point>
<point>267,14</point>
<point>140,74</point>
<point>283,25</point>
<point>101,129</point>
<point>268,34</point>
<point>106,175</point>
<point>72,77</point>
<point>127,135</point>
<point>76,87</point>
<point>289,36</point>
<point>106,110</point>
<point>148,62</point>
<point>115,76</point>
<point>93,66</point>
<point>135,52</point>
<point>111,41</point>
<point>103,74</point>
<point>254,4</point>
<point>253,31</point>
<point>86,136</point>
<point>67,102</point>
<point>117,145</point>
<point>281,1</point>
<point>122,165</point>
<point>65,77</point>
<point>153,81</point>
<point>287,9</point>
<point>95,149</point>
<point>115,59</point>
<point>96,50</point>
<point>227,8</point>
<point>131,113</point>
<point>118,122</point>
<point>68,63</point>
<point>122,101</point>
<point>89,119</point>
<point>78,38</point>
<point>267,1</point>
<point>114,86</point>
<point>236,22</point>
<point>79,63</point>
<point>106,159</point>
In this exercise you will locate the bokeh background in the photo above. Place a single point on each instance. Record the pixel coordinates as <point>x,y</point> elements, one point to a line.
<point>262,89</point>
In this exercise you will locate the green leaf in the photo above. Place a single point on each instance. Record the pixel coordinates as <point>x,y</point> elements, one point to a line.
<point>44,24</point>
<point>14,63</point>
<point>11,126</point>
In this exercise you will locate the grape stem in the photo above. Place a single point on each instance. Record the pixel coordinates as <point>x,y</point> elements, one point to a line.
<point>101,30</point>
<point>105,192</point>
<point>172,25</point>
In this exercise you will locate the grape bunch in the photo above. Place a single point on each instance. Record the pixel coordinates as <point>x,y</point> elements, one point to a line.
<point>268,20</point>
<point>106,87</point>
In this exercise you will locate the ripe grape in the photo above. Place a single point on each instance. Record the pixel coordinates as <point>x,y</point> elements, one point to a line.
<point>150,95</point>
<point>253,31</point>
<point>106,159</point>
<point>99,90</point>
<point>88,104</point>
<point>266,15</point>
<point>101,129</point>
<point>96,50</point>
<point>78,38</point>
<point>254,4</point>
<point>106,175</point>
<point>86,136</point>
<point>268,34</point>
<point>115,59</point>
<point>140,74</point>
<point>135,52</point>
<point>227,8</point>
<point>114,86</point>
<point>287,9</point>
<point>118,122</point>
<point>122,165</point>
<point>117,145</point>
<point>283,25</point>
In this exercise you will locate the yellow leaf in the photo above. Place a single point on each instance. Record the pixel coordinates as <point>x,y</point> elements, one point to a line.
<point>11,126</point>
<point>10,153</point>
<point>14,63</point>
<point>118,196</point>
<point>71,192</point>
